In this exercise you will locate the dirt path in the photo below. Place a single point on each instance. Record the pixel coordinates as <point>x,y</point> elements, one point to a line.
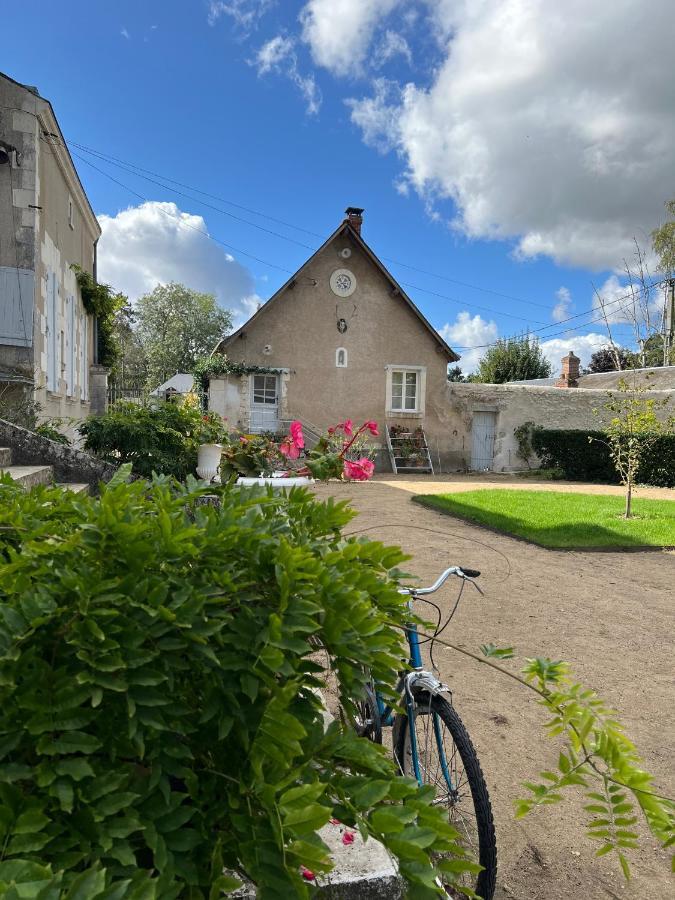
<point>609,615</point>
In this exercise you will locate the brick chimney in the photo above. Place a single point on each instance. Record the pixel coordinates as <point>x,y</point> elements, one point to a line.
<point>569,377</point>
<point>354,216</point>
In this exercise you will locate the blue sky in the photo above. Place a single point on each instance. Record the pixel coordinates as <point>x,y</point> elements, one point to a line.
<point>489,144</point>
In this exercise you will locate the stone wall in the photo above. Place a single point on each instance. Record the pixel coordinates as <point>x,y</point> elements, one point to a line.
<point>515,404</point>
<point>70,465</point>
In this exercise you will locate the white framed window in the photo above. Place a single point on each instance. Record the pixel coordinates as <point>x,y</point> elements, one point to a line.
<point>265,389</point>
<point>71,213</point>
<point>406,386</point>
<point>341,358</point>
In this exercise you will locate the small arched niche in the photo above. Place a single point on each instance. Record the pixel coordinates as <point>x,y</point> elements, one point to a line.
<point>341,358</point>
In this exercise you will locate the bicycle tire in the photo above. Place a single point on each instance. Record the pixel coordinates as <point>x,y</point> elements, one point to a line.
<point>425,706</point>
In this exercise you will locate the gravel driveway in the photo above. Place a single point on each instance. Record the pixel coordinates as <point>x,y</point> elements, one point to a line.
<point>610,615</point>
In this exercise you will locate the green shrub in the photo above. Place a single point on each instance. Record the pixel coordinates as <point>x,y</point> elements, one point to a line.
<point>50,430</point>
<point>158,722</point>
<point>161,437</point>
<point>580,459</point>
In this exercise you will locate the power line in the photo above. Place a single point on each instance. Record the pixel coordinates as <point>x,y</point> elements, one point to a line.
<point>128,167</point>
<point>274,265</point>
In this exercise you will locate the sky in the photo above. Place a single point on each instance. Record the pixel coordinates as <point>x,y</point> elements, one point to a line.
<point>507,152</point>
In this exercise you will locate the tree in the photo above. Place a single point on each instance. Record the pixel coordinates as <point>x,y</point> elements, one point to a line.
<point>131,365</point>
<point>605,360</point>
<point>632,430</point>
<point>513,359</point>
<point>663,242</point>
<point>176,326</point>
<point>455,374</point>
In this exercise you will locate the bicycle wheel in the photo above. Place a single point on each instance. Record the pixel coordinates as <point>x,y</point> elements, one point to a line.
<point>367,722</point>
<point>446,759</point>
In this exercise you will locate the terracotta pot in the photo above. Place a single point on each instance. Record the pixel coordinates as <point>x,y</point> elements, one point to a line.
<point>208,461</point>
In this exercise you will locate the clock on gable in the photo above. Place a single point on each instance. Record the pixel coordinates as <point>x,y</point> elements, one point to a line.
<point>343,282</point>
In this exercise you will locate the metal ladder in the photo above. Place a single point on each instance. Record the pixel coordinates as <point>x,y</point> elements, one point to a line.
<point>395,444</point>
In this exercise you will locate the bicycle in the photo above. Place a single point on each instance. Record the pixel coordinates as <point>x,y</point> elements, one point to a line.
<point>437,748</point>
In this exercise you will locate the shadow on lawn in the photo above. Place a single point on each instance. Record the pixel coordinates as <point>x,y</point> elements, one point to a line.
<point>569,536</point>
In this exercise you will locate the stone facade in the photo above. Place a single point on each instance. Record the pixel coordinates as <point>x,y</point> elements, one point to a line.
<point>47,339</point>
<point>513,405</point>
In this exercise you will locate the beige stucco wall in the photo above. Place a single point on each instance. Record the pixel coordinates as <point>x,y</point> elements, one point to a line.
<point>549,407</point>
<point>298,332</point>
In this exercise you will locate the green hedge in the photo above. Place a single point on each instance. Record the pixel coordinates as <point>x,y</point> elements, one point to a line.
<point>582,460</point>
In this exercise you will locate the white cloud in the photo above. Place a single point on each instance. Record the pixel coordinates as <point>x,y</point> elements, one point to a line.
<point>545,125</point>
<point>244,13</point>
<point>278,55</point>
<point>469,331</point>
<point>562,308</point>
<point>377,117</point>
<point>339,32</point>
<point>391,44</point>
<point>583,345</point>
<point>125,34</point>
<point>156,243</point>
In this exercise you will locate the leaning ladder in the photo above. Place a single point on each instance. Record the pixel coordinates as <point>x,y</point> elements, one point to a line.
<point>394,445</point>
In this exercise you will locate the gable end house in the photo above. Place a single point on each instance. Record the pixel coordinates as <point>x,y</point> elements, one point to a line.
<point>346,341</point>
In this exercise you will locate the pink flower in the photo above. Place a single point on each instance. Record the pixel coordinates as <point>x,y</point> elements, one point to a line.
<point>348,838</point>
<point>289,449</point>
<point>372,428</point>
<point>307,874</point>
<point>334,821</point>
<point>348,427</point>
<point>332,429</point>
<point>360,470</point>
<point>297,435</point>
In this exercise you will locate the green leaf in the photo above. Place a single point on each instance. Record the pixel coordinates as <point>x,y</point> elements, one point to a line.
<point>87,886</point>
<point>30,822</point>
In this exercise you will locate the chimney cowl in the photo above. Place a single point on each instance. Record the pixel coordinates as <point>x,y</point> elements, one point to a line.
<point>354,216</point>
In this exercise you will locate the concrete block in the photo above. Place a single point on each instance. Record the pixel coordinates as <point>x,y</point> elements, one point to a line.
<point>30,476</point>
<point>22,197</point>
<point>24,121</point>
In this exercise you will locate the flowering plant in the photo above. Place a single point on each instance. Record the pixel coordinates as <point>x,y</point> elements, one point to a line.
<point>337,453</point>
<point>210,429</point>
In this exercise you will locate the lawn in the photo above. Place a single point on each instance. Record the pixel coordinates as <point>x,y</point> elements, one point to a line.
<point>560,520</point>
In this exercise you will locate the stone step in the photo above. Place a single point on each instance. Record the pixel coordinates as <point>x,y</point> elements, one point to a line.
<point>5,456</point>
<point>30,476</point>
<point>74,487</point>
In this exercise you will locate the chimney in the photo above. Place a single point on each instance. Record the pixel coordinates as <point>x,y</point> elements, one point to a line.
<point>354,217</point>
<point>569,377</point>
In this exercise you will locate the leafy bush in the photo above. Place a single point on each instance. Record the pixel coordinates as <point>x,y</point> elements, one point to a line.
<point>161,437</point>
<point>580,459</point>
<point>50,429</point>
<point>158,721</point>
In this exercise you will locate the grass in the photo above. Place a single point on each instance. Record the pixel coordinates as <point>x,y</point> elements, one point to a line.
<point>561,520</point>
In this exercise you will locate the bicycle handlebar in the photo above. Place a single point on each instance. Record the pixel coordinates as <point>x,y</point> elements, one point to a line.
<point>453,570</point>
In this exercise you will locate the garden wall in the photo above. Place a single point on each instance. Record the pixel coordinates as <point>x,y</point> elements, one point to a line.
<point>69,464</point>
<point>515,404</point>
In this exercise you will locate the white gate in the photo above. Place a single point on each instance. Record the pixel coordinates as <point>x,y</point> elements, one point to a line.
<point>483,429</point>
<point>264,403</point>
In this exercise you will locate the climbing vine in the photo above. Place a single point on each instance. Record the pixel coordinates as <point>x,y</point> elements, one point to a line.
<point>100,300</point>
<point>219,365</point>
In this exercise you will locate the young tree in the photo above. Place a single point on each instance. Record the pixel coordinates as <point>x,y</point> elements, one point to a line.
<point>176,326</point>
<point>513,359</point>
<point>605,360</point>
<point>632,430</point>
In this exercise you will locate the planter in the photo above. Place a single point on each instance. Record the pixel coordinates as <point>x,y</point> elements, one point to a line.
<point>208,461</point>
<point>277,481</point>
